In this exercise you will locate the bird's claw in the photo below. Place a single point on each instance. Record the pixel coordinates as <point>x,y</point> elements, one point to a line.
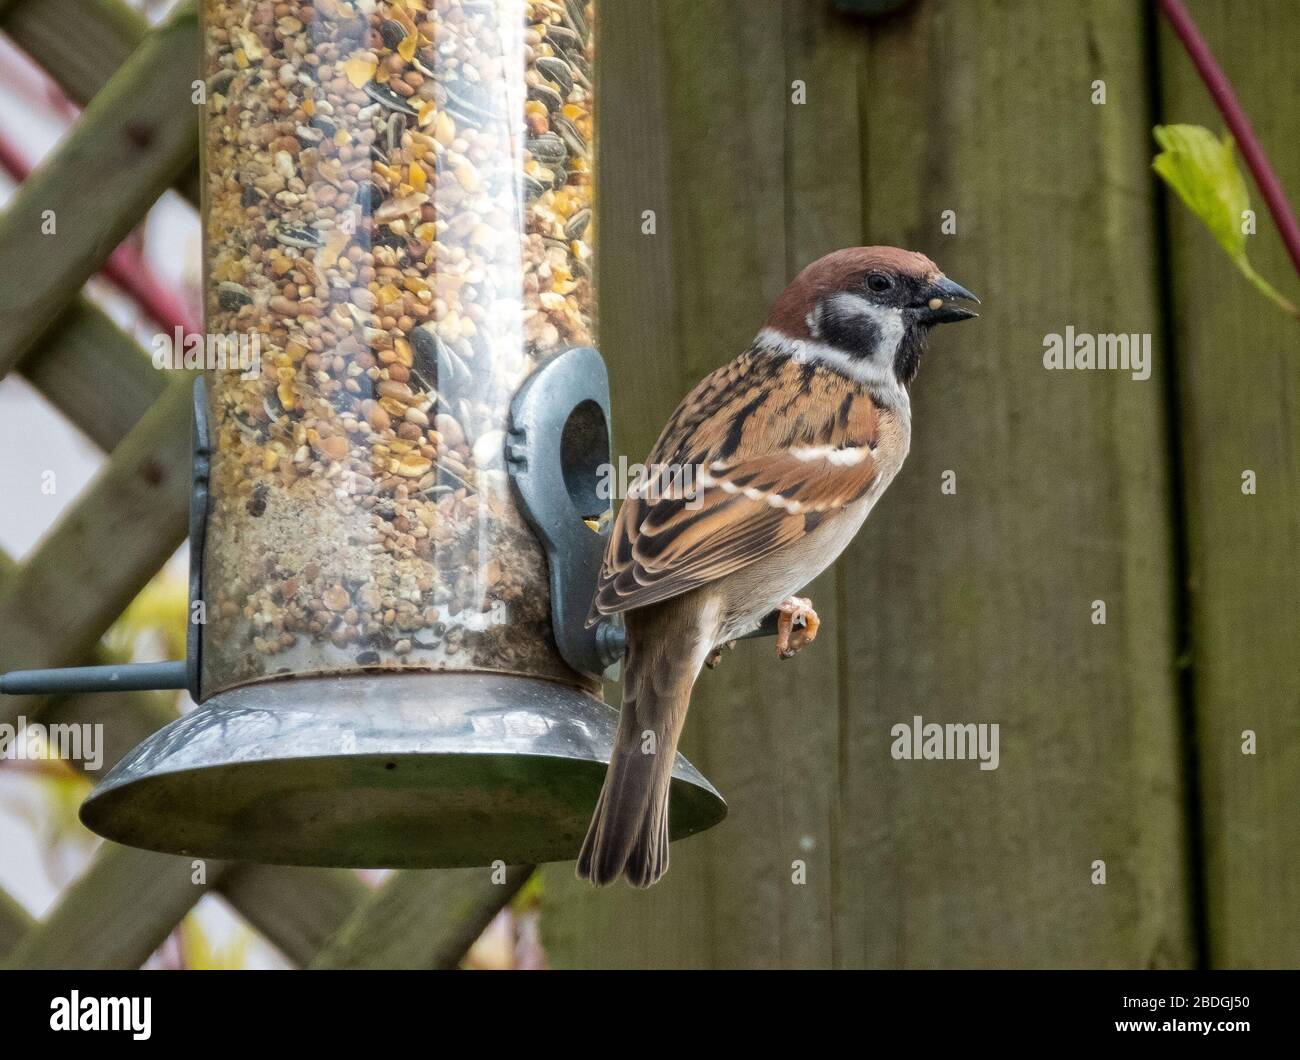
<point>796,627</point>
<point>715,656</point>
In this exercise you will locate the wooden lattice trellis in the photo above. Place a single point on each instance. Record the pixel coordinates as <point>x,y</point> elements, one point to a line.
<point>137,137</point>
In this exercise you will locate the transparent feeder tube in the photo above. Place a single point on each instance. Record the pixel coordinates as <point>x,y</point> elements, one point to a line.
<point>397,224</point>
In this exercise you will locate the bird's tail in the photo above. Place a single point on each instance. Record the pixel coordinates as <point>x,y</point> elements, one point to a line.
<point>628,835</point>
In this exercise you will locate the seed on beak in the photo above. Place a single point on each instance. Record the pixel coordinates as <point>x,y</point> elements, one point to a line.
<point>935,303</point>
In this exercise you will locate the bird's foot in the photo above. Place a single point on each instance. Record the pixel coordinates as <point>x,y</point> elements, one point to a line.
<point>796,627</point>
<point>715,656</point>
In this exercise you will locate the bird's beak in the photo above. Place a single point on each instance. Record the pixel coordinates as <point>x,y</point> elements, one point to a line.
<point>937,309</point>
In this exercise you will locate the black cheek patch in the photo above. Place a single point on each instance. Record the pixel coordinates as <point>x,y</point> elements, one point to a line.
<point>855,333</point>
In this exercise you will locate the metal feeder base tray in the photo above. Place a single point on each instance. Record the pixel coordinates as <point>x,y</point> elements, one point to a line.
<point>400,770</point>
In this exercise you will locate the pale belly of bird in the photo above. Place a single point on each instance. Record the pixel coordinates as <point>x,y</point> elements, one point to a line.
<point>753,592</point>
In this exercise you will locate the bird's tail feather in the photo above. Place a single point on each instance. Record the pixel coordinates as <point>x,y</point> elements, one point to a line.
<point>629,830</point>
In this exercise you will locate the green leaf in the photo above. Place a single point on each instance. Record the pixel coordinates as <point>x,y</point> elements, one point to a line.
<point>1203,171</point>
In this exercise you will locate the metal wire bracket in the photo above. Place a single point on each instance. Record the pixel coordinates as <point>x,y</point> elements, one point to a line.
<point>154,676</point>
<point>199,489</point>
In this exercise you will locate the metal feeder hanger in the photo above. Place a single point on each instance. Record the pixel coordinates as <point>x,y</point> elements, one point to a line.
<point>396,769</point>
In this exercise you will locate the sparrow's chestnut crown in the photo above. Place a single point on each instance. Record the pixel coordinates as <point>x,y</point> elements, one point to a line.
<point>871,304</point>
<point>901,278</point>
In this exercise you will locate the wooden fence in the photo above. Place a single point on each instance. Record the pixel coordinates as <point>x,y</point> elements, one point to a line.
<point>1121,743</point>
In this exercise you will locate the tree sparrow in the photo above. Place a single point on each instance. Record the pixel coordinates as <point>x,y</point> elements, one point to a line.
<point>790,446</point>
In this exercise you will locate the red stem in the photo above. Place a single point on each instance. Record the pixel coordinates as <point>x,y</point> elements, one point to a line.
<point>12,161</point>
<point>1238,124</point>
<point>127,268</point>
<point>33,84</point>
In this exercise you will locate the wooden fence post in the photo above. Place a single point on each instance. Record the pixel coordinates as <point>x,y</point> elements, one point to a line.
<point>973,607</point>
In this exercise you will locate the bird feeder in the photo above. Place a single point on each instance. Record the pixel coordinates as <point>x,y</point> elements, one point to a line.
<point>396,527</point>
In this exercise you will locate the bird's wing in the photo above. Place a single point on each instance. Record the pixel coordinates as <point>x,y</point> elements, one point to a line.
<point>775,447</point>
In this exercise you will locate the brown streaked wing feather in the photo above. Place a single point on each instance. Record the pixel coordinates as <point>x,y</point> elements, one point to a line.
<point>740,425</point>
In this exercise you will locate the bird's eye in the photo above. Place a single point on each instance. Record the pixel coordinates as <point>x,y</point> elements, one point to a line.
<point>878,282</point>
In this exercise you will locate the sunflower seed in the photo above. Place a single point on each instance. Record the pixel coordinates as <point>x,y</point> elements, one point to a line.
<point>430,366</point>
<point>569,133</point>
<point>547,96</point>
<point>274,409</point>
<point>293,236</point>
<point>575,14</point>
<point>533,187</point>
<point>557,71</point>
<point>219,83</point>
<point>230,296</point>
<point>392,32</point>
<point>386,97</point>
<point>325,125</point>
<point>577,225</point>
<point>581,70</point>
<point>563,37</point>
<point>549,149</point>
<point>395,130</point>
